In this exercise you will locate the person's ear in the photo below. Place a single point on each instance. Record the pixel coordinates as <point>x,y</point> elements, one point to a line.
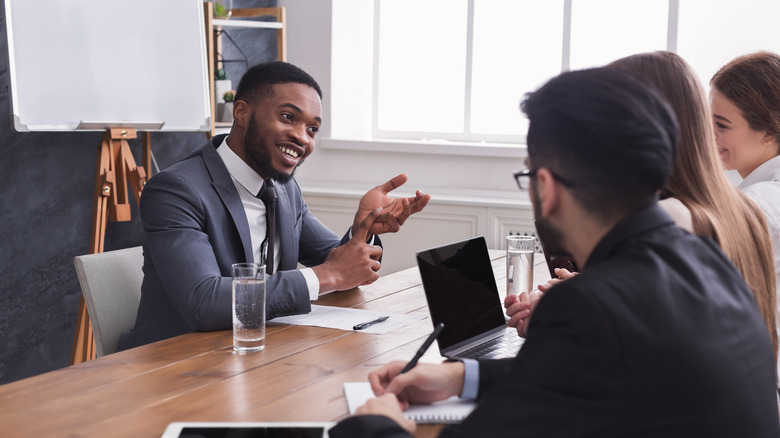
<point>548,191</point>
<point>241,113</point>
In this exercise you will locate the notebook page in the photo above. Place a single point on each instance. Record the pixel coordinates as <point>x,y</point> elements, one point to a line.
<point>451,410</point>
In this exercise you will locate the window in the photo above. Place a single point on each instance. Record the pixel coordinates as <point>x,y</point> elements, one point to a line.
<point>713,32</point>
<point>456,70</point>
<point>504,68</point>
<point>605,30</point>
<point>421,71</point>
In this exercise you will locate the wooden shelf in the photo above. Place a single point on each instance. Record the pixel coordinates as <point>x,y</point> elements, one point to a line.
<point>247,24</point>
<point>213,43</point>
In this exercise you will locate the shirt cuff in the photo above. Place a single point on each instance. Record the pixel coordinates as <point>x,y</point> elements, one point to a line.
<point>470,380</point>
<point>371,238</point>
<point>312,282</point>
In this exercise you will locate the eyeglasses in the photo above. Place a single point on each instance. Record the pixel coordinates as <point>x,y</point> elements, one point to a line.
<point>523,185</point>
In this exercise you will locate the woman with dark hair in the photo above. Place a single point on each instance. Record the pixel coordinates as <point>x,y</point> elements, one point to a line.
<point>745,100</point>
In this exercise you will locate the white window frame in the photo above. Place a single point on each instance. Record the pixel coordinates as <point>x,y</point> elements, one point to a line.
<point>468,137</point>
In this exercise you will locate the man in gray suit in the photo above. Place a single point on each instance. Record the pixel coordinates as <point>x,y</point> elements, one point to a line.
<point>203,214</point>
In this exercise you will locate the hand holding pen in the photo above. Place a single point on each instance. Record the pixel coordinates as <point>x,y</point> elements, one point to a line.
<point>433,382</point>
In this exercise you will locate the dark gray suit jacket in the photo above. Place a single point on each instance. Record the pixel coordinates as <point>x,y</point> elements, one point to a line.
<point>195,228</point>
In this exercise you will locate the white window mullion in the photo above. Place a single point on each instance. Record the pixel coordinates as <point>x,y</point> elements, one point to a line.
<point>375,82</point>
<point>566,48</point>
<point>469,59</point>
<point>671,30</point>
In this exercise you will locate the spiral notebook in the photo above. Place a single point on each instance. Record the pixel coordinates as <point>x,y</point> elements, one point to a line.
<point>450,411</point>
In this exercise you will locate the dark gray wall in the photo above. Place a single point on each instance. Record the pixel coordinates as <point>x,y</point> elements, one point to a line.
<point>46,190</point>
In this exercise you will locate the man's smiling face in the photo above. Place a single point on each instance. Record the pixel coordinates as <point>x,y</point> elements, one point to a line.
<point>281,130</point>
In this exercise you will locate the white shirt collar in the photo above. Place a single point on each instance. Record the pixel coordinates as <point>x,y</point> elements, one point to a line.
<point>769,170</point>
<point>239,170</point>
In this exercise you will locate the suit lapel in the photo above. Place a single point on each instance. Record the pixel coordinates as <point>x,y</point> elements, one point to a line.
<point>223,185</point>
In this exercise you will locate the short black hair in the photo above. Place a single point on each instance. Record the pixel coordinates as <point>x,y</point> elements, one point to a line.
<point>611,135</point>
<point>257,83</point>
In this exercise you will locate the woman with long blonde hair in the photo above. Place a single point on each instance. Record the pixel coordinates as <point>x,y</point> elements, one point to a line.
<point>698,195</point>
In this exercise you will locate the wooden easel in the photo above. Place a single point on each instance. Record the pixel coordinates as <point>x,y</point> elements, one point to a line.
<point>115,167</point>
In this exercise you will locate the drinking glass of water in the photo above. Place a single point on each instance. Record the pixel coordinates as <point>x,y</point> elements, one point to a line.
<point>519,264</point>
<point>248,307</point>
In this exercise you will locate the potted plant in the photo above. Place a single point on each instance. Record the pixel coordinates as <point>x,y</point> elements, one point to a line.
<point>225,110</point>
<point>221,84</point>
<point>221,11</point>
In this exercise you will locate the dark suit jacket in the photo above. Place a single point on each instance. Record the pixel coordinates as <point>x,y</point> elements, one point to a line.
<point>657,337</point>
<point>195,228</point>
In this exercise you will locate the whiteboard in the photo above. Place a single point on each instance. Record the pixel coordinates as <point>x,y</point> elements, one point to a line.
<point>89,64</point>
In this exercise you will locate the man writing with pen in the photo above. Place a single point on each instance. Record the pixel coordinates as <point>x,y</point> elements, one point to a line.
<point>658,336</point>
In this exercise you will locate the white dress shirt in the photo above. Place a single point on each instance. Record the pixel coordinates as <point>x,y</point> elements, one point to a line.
<point>248,183</point>
<point>678,212</point>
<point>763,186</point>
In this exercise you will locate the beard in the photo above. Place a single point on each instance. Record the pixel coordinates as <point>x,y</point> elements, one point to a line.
<point>258,149</point>
<point>549,234</point>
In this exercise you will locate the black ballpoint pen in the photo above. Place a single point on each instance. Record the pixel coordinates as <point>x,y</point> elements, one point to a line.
<point>363,325</point>
<point>424,347</point>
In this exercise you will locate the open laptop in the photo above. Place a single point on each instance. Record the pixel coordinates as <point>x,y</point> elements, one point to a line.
<point>461,292</point>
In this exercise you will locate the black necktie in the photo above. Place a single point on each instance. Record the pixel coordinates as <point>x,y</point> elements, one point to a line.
<point>268,195</point>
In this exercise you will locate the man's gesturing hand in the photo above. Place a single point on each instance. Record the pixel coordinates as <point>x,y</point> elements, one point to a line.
<point>395,211</point>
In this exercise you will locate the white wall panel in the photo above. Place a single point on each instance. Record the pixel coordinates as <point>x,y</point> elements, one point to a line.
<point>441,222</point>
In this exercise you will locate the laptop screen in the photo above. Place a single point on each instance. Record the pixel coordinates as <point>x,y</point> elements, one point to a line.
<point>461,290</point>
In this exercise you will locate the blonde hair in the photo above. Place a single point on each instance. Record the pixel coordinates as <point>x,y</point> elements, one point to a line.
<point>718,210</point>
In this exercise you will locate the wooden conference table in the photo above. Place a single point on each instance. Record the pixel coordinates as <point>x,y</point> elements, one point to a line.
<point>197,377</point>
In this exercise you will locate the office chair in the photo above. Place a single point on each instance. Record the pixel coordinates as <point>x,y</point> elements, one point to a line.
<point>111,284</point>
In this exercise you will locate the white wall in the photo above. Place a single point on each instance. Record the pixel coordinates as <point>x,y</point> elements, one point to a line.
<point>473,192</point>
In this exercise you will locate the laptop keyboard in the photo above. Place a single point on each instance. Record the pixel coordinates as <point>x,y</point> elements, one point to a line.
<point>500,347</point>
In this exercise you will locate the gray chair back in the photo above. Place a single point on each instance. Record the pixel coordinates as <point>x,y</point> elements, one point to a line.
<point>111,284</point>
